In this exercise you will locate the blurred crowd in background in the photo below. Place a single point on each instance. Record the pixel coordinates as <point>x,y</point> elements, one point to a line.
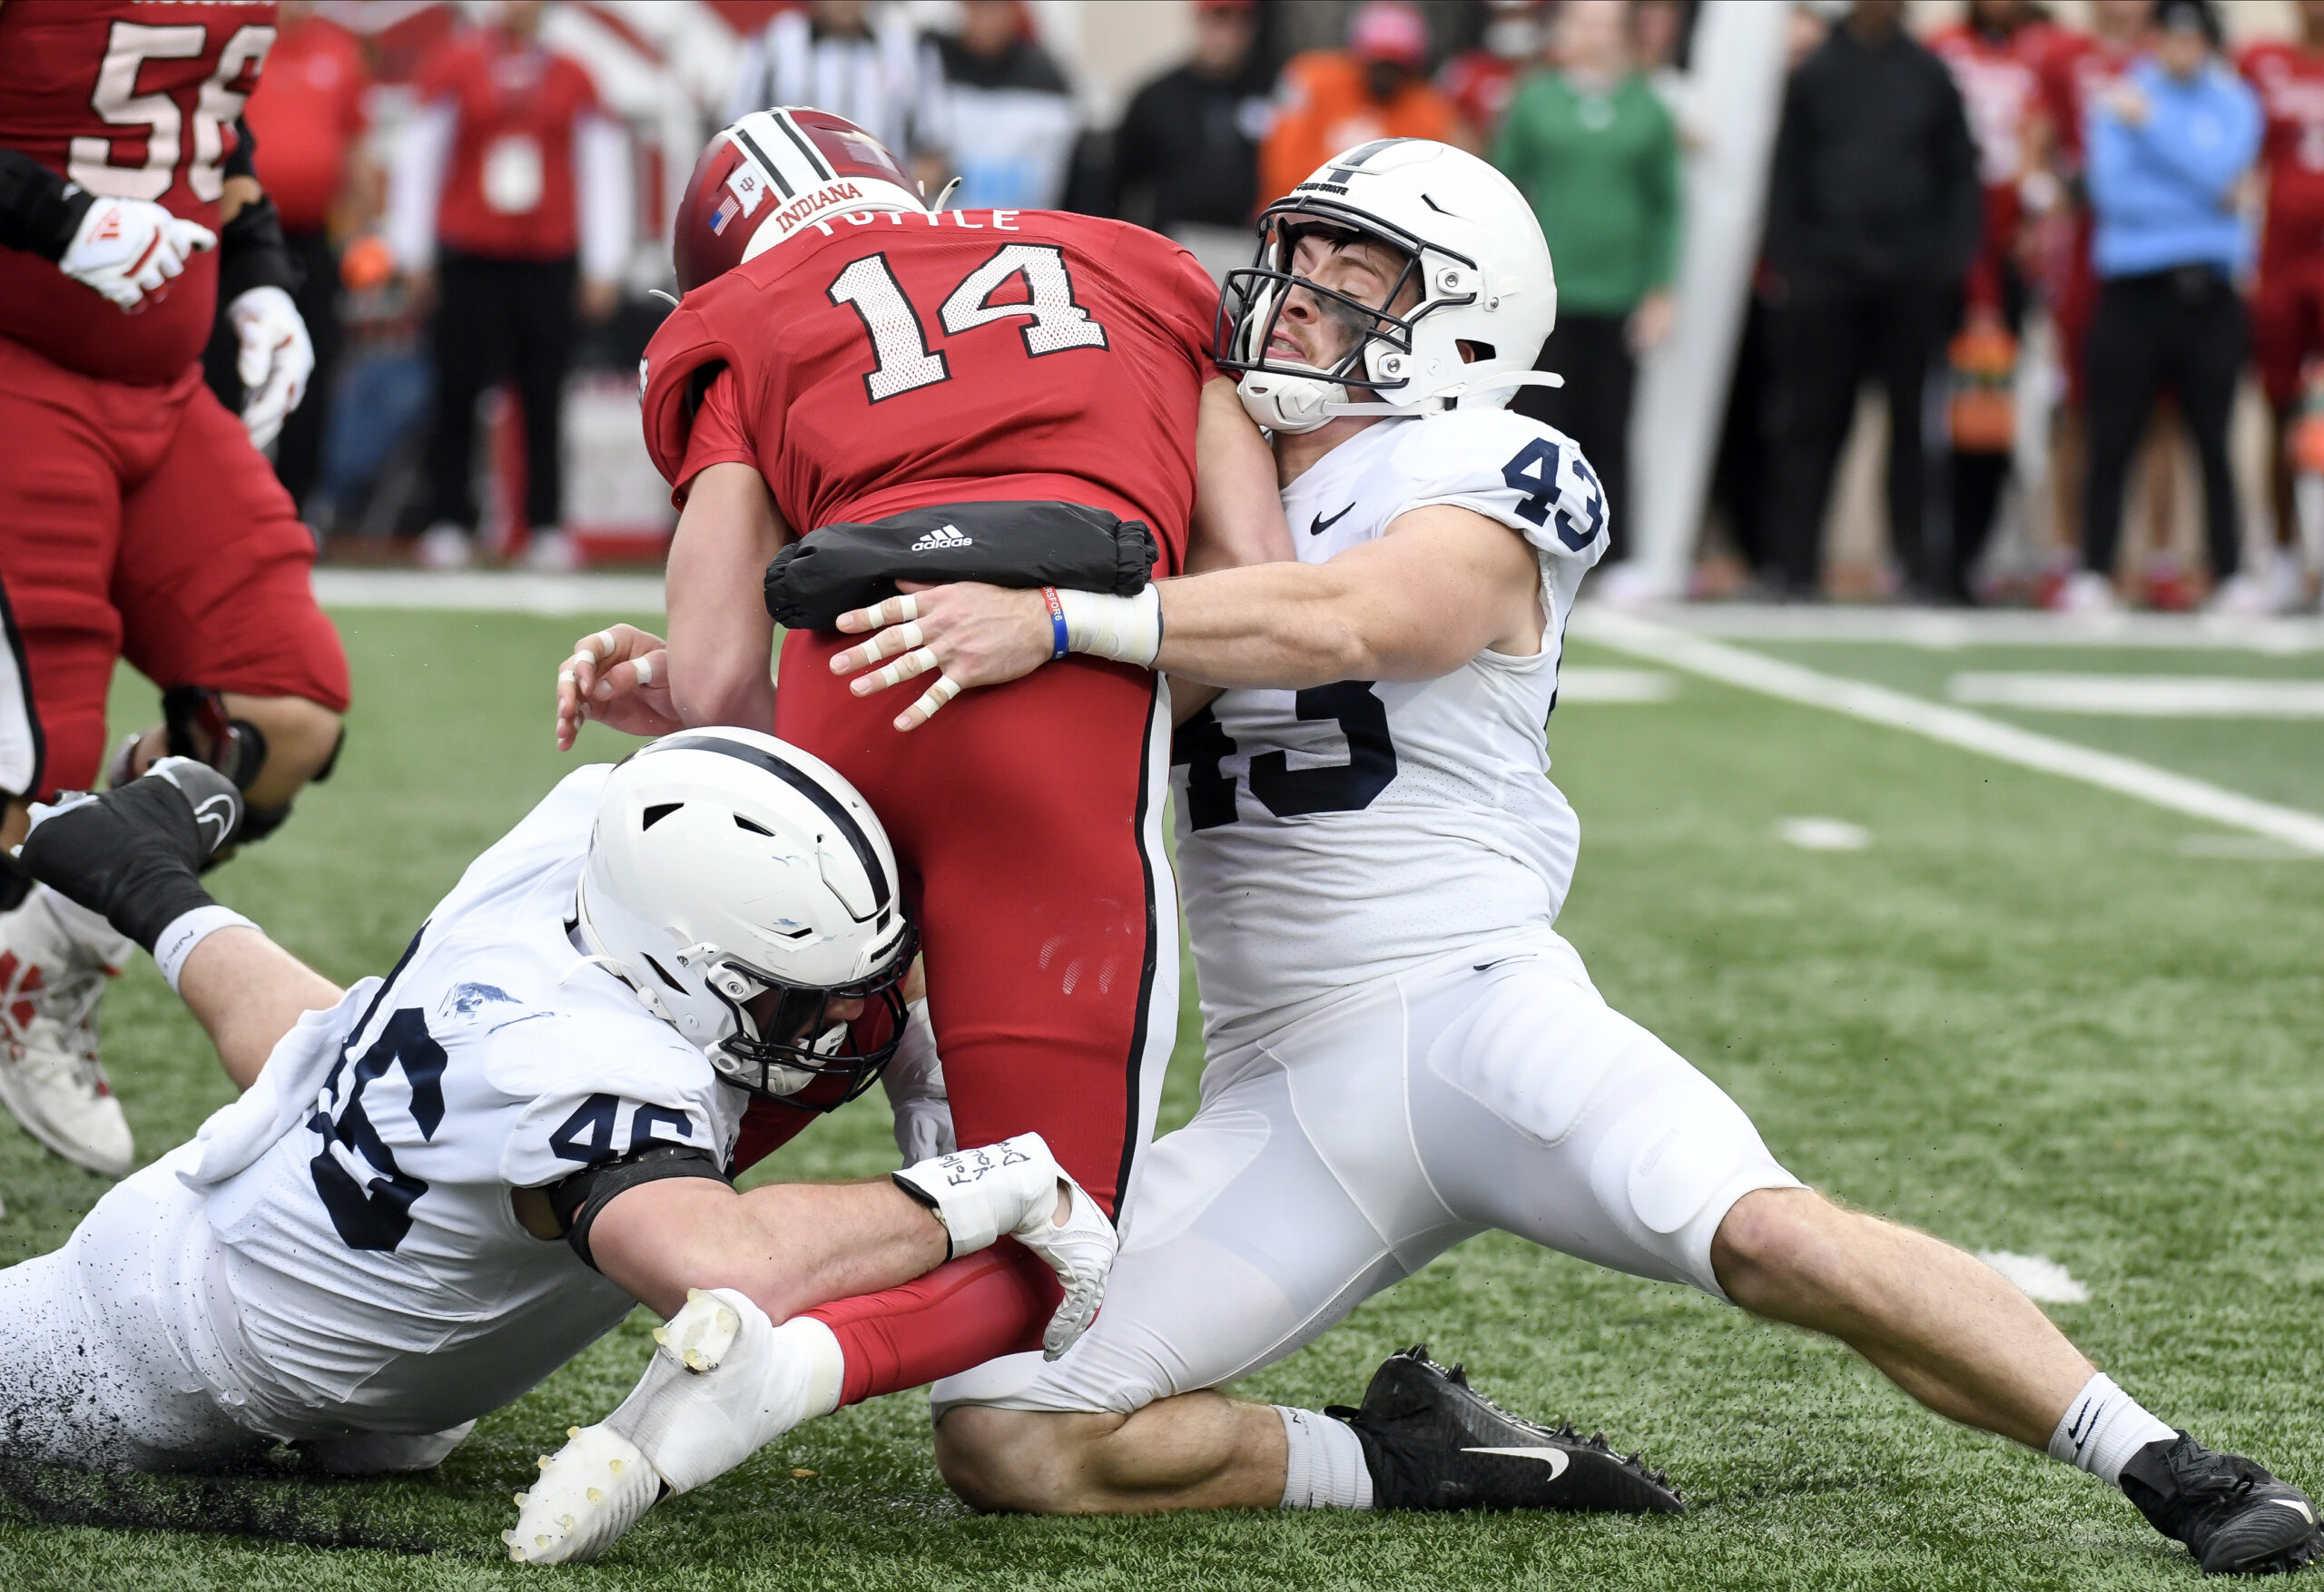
<point>2027,306</point>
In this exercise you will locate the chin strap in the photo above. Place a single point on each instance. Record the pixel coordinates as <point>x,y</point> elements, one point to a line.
<point>1438,403</point>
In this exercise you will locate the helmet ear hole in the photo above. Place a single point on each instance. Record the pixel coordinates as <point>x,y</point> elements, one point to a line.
<point>663,973</point>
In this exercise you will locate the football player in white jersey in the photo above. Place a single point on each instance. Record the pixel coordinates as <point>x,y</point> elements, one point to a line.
<point>440,1185</point>
<point>1401,1051</point>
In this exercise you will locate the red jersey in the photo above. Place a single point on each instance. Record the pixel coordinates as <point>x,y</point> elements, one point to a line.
<point>306,118</point>
<point>131,102</point>
<point>900,361</point>
<point>2000,81</point>
<point>2076,69</point>
<point>2289,81</point>
<point>508,194</point>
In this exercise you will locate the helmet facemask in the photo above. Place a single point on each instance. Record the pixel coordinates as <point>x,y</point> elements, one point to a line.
<point>1293,396</point>
<point>802,1053</point>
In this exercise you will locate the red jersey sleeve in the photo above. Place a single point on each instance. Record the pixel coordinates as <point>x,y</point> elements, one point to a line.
<point>1179,292</point>
<point>721,434</point>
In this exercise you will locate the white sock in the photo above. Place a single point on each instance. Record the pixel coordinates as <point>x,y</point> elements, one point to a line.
<point>100,939</point>
<point>2102,1427</point>
<point>1325,1468</point>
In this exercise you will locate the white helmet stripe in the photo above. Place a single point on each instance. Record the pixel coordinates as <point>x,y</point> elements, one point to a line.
<point>806,147</point>
<point>830,806</point>
<point>765,161</point>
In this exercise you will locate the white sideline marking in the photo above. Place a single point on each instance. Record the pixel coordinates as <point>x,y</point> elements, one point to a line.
<point>2037,1276</point>
<point>1944,630</point>
<point>1823,834</point>
<point>1587,685</point>
<point>478,592</point>
<point>1954,726</point>
<point>2145,697</point>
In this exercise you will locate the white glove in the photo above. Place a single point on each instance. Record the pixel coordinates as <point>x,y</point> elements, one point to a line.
<point>1012,1187</point>
<point>127,248</point>
<point>277,356</point>
<point>915,1084</point>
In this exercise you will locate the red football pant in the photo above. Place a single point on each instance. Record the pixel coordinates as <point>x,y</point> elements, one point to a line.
<point>139,521</point>
<point>2287,326</point>
<point>1028,822</point>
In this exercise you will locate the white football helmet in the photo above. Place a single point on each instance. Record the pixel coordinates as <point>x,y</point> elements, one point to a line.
<point>1473,248</point>
<point>726,864</point>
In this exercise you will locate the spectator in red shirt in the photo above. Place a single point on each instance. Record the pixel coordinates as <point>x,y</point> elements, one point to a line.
<point>2287,304</point>
<point>1996,55</point>
<point>308,118</point>
<point>511,190</point>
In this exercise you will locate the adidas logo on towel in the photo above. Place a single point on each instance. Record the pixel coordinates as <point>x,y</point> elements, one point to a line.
<point>941,537</point>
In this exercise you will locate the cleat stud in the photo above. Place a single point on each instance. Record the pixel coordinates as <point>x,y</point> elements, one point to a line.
<point>614,1466</point>
<point>541,1541</point>
<point>572,1432</point>
<point>694,1361</point>
<point>515,1556</point>
<point>523,1499</point>
<point>509,1537</point>
<point>728,1322</point>
<point>544,1462</point>
<point>693,1294</point>
<point>594,1496</point>
<point>565,1522</point>
<point>662,1336</point>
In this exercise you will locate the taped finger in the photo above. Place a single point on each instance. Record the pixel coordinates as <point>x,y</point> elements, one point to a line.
<point>645,670</point>
<point>900,638</point>
<point>945,689</point>
<point>907,667</point>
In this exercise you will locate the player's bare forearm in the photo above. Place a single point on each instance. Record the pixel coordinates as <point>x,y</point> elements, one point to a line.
<point>721,639</point>
<point>1443,586</point>
<point>1238,505</point>
<point>247,992</point>
<point>790,1247</point>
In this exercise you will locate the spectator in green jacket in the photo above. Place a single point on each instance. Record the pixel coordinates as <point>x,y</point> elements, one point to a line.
<point>1592,148</point>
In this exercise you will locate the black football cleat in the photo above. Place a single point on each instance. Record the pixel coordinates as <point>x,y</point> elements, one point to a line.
<point>132,853</point>
<point>1433,1442</point>
<point>2235,1517</point>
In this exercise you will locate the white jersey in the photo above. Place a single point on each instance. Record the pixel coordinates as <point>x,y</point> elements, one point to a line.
<point>1354,829</point>
<point>379,1276</point>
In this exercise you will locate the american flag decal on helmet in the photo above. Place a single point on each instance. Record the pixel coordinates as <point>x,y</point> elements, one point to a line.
<point>728,209</point>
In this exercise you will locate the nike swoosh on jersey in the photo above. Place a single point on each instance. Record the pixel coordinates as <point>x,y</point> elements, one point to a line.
<point>1319,525</point>
<point>1555,1458</point>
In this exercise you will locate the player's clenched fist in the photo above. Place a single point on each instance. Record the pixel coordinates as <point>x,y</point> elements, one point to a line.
<point>620,676</point>
<point>127,249</point>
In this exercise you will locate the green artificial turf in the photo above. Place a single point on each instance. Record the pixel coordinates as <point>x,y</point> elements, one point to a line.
<point>2021,1017</point>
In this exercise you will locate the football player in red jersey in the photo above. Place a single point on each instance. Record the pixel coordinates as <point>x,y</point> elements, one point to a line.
<point>845,354</point>
<point>1995,52</point>
<point>2287,304</point>
<point>137,518</point>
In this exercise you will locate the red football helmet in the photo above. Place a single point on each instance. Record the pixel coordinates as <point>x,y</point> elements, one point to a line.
<point>774,173</point>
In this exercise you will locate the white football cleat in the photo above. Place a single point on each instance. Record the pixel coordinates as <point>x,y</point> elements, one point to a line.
<point>51,982</point>
<point>590,1491</point>
<point>2086,591</point>
<point>445,546</point>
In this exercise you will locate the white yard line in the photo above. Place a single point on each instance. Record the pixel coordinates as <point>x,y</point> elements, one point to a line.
<point>1659,643</point>
<point>1583,683</point>
<point>2143,696</point>
<point>1943,630</point>
<point>479,591</point>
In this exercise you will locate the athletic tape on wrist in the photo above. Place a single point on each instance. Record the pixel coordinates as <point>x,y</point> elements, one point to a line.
<point>1061,638</point>
<point>1125,629</point>
<point>175,943</point>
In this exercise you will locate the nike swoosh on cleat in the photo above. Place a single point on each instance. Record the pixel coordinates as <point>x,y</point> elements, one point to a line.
<point>1555,1458</point>
<point>2306,1513</point>
<point>1319,525</point>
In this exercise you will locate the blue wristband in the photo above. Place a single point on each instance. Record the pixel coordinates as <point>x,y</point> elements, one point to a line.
<point>1056,623</point>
